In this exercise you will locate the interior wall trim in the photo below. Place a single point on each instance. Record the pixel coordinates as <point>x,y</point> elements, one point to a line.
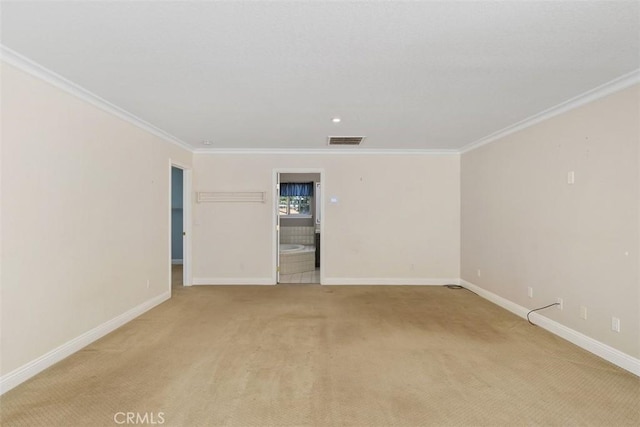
<point>402,281</point>
<point>598,92</point>
<point>23,63</point>
<point>33,68</point>
<point>24,372</point>
<point>326,151</point>
<point>233,281</point>
<point>596,347</point>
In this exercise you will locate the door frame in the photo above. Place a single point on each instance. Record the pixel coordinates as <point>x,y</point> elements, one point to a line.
<point>187,276</point>
<point>276,218</point>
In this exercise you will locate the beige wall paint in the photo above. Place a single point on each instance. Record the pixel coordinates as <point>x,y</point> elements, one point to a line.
<point>85,217</point>
<point>300,177</point>
<point>397,216</point>
<point>523,225</point>
<point>85,196</point>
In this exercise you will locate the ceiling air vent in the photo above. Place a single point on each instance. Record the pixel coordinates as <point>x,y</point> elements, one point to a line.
<point>345,140</point>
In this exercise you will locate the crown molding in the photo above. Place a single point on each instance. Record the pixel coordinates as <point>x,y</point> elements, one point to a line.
<point>601,91</point>
<point>29,66</point>
<point>325,151</point>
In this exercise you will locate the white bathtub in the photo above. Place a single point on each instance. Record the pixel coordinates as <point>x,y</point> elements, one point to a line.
<point>297,258</point>
<point>286,248</point>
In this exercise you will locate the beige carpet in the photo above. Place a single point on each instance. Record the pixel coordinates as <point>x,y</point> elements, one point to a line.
<point>176,275</point>
<point>328,356</point>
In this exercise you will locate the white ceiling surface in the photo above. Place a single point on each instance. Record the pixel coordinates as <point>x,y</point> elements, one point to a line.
<point>259,75</point>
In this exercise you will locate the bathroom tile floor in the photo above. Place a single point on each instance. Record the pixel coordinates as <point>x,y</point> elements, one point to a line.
<point>306,277</point>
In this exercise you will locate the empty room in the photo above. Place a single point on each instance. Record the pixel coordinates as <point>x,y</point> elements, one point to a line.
<point>320,213</point>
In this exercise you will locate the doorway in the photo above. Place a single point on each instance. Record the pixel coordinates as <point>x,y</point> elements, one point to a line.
<point>298,213</point>
<point>177,220</point>
<point>179,225</point>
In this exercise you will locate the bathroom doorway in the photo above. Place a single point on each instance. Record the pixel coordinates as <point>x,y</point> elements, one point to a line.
<point>298,217</point>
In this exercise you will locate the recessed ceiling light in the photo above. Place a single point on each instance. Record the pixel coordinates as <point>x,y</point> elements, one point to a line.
<point>336,120</point>
<point>206,142</point>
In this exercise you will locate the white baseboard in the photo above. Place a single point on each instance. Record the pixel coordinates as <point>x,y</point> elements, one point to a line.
<point>23,373</point>
<point>176,261</point>
<point>596,347</point>
<point>232,281</point>
<point>417,281</point>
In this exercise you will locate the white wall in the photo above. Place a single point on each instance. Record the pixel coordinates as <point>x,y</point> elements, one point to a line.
<point>524,226</point>
<point>85,217</point>
<point>397,217</point>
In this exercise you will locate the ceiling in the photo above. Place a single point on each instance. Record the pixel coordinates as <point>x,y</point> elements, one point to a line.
<point>272,74</point>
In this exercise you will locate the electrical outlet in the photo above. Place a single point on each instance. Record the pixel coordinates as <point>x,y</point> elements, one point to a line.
<point>479,273</point>
<point>583,312</point>
<point>530,292</point>
<point>571,177</point>
<point>615,324</point>
<point>560,303</point>
<point>148,283</point>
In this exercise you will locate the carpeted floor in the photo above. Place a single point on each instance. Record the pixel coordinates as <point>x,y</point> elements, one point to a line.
<point>176,276</point>
<point>327,356</point>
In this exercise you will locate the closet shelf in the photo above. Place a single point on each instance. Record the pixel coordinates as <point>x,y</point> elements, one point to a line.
<point>233,196</point>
